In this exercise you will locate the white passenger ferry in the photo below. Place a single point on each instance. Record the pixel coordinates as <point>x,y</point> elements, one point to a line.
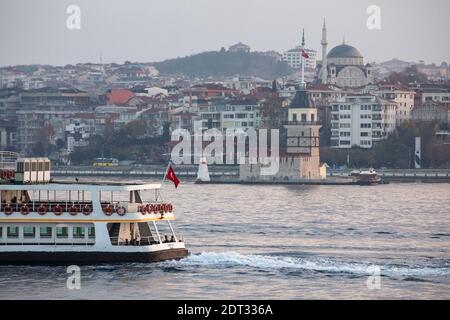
<point>45,222</point>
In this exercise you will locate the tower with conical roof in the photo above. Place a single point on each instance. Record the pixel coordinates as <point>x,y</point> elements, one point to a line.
<point>302,132</point>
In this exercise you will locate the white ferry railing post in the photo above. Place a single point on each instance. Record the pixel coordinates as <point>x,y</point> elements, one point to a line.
<point>173,232</point>
<point>157,232</point>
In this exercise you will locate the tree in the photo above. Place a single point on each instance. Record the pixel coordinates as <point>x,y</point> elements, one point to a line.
<point>135,129</point>
<point>409,75</point>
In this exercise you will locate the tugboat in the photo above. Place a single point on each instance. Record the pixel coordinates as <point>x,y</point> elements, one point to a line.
<point>368,178</point>
<point>45,222</point>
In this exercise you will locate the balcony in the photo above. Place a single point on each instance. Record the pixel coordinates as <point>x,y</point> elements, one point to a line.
<point>302,123</point>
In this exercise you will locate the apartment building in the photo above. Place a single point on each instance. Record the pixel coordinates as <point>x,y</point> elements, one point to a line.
<point>402,96</point>
<point>293,58</point>
<point>361,121</point>
<point>231,114</point>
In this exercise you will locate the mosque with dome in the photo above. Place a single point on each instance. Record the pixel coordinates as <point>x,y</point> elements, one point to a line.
<point>343,65</point>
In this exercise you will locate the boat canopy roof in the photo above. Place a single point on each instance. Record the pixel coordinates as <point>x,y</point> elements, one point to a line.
<point>81,187</point>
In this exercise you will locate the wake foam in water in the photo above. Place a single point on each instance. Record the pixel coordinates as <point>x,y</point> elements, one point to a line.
<point>315,264</point>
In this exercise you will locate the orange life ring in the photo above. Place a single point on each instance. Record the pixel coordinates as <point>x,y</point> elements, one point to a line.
<point>121,211</point>
<point>87,210</point>
<point>57,210</point>
<point>24,210</point>
<point>42,210</point>
<point>107,210</point>
<point>73,210</point>
<point>8,210</point>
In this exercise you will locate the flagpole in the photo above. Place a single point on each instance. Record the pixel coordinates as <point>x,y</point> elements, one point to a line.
<point>165,173</point>
<point>163,180</point>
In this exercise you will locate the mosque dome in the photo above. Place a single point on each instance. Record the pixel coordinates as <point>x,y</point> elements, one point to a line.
<point>344,51</point>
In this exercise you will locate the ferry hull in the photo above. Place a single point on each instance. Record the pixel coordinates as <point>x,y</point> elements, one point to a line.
<point>83,258</point>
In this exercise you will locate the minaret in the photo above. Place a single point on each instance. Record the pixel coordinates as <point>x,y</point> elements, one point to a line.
<point>324,43</point>
<point>303,83</point>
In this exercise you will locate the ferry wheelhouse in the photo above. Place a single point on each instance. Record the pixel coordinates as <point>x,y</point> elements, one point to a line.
<point>45,222</point>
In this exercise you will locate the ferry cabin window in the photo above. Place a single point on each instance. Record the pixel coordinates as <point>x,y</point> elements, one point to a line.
<point>29,232</point>
<point>62,232</point>
<point>78,232</point>
<point>45,232</point>
<point>1,232</point>
<point>12,232</point>
<point>91,232</point>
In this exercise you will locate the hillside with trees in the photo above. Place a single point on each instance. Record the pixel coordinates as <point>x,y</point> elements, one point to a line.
<point>225,63</point>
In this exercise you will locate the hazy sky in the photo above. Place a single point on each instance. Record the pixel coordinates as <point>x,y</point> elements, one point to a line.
<point>151,30</point>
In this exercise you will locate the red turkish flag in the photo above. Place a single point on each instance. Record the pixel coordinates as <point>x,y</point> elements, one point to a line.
<point>170,175</point>
<point>304,54</point>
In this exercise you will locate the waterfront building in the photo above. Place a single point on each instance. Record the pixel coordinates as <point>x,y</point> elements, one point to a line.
<point>432,111</point>
<point>404,98</point>
<point>437,95</point>
<point>77,135</point>
<point>361,121</point>
<point>230,114</point>
<point>44,113</point>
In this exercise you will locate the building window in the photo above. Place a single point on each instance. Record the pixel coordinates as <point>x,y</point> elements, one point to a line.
<point>12,232</point>
<point>29,232</point>
<point>45,232</point>
<point>303,117</point>
<point>62,232</point>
